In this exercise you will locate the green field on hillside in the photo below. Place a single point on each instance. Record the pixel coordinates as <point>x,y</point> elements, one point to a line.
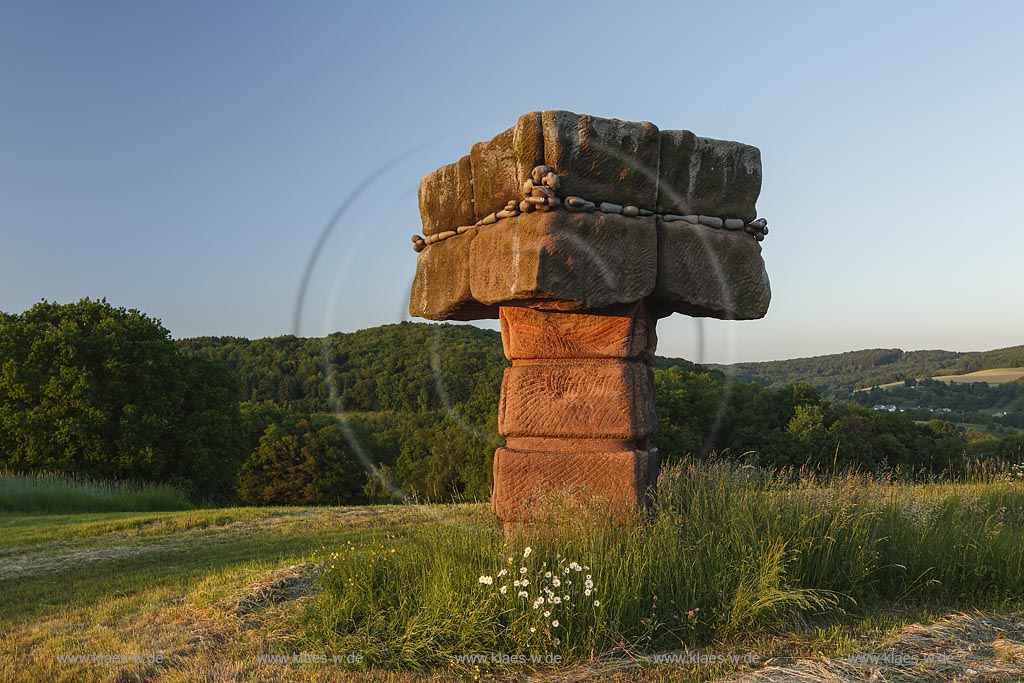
<point>993,376</point>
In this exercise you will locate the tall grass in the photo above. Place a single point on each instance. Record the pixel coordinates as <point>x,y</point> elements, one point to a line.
<point>731,549</point>
<point>54,493</point>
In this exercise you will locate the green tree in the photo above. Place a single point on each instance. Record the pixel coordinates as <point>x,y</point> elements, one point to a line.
<point>103,391</point>
<point>309,463</point>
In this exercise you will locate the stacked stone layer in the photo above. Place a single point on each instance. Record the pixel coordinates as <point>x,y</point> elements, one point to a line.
<point>577,407</point>
<point>652,194</point>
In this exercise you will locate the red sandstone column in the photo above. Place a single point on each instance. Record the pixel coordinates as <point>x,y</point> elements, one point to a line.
<point>577,407</point>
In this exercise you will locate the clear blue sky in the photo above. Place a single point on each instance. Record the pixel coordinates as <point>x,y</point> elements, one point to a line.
<point>183,157</point>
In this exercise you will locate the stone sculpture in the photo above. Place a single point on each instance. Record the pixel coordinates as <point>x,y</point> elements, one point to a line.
<point>579,233</point>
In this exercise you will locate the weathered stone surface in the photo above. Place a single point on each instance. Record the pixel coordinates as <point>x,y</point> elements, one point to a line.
<point>603,160</point>
<point>710,273</point>
<point>587,260</point>
<point>501,164</point>
<point>626,331</point>
<point>446,197</point>
<point>440,290</point>
<point>609,399</point>
<point>624,478</point>
<point>706,176</point>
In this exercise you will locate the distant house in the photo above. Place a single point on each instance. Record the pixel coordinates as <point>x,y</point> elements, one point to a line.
<point>885,407</point>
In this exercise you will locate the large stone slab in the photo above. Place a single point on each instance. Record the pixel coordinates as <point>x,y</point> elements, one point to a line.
<point>578,399</point>
<point>710,273</point>
<point>501,164</point>
<point>624,478</point>
<point>706,176</point>
<point>603,160</point>
<point>586,260</point>
<point>440,289</point>
<point>446,197</point>
<point>626,331</point>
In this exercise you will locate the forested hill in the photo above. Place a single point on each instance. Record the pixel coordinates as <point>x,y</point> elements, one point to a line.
<point>402,367</point>
<point>420,366</point>
<point>837,375</point>
<point>406,367</point>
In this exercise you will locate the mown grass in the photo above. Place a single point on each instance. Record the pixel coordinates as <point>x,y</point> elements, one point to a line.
<point>54,493</point>
<point>735,559</point>
<point>731,550</point>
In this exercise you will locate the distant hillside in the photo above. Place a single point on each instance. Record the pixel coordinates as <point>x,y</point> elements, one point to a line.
<point>392,367</point>
<point>837,375</point>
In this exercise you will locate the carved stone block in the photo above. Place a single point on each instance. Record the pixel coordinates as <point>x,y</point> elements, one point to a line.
<point>585,260</point>
<point>710,273</point>
<point>440,290</point>
<point>625,331</point>
<point>521,478</point>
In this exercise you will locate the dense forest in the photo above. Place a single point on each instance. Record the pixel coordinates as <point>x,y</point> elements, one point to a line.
<point>838,375</point>
<point>402,411</point>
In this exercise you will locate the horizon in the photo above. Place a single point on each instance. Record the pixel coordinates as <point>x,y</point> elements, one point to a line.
<point>186,160</point>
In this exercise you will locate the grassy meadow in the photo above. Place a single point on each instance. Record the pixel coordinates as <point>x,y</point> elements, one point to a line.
<point>787,569</point>
<point>54,493</point>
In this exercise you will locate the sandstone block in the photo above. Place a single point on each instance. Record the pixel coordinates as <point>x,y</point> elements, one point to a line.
<point>706,176</point>
<point>440,289</point>
<point>624,478</point>
<point>710,273</point>
<point>578,399</point>
<point>603,160</point>
<point>626,331</point>
<point>501,164</point>
<point>588,260</point>
<point>446,198</point>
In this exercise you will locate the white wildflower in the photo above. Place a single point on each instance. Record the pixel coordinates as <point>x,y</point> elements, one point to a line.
<point>547,575</point>
<point>486,580</point>
<point>517,583</point>
<point>554,623</point>
<point>547,614</point>
<point>556,582</point>
<point>524,582</point>
<point>522,570</point>
<point>557,600</point>
<point>527,551</point>
<point>597,603</point>
<point>523,594</point>
<point>503,589</point>
<point>502,573</point>
<point>587,592</point>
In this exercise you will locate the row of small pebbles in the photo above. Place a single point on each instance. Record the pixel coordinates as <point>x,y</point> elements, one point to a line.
<point>631,211</point>
<point>758,228</point>
<point>539,195</point>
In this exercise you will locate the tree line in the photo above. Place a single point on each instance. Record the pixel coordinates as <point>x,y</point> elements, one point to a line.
<point>406,410</point>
